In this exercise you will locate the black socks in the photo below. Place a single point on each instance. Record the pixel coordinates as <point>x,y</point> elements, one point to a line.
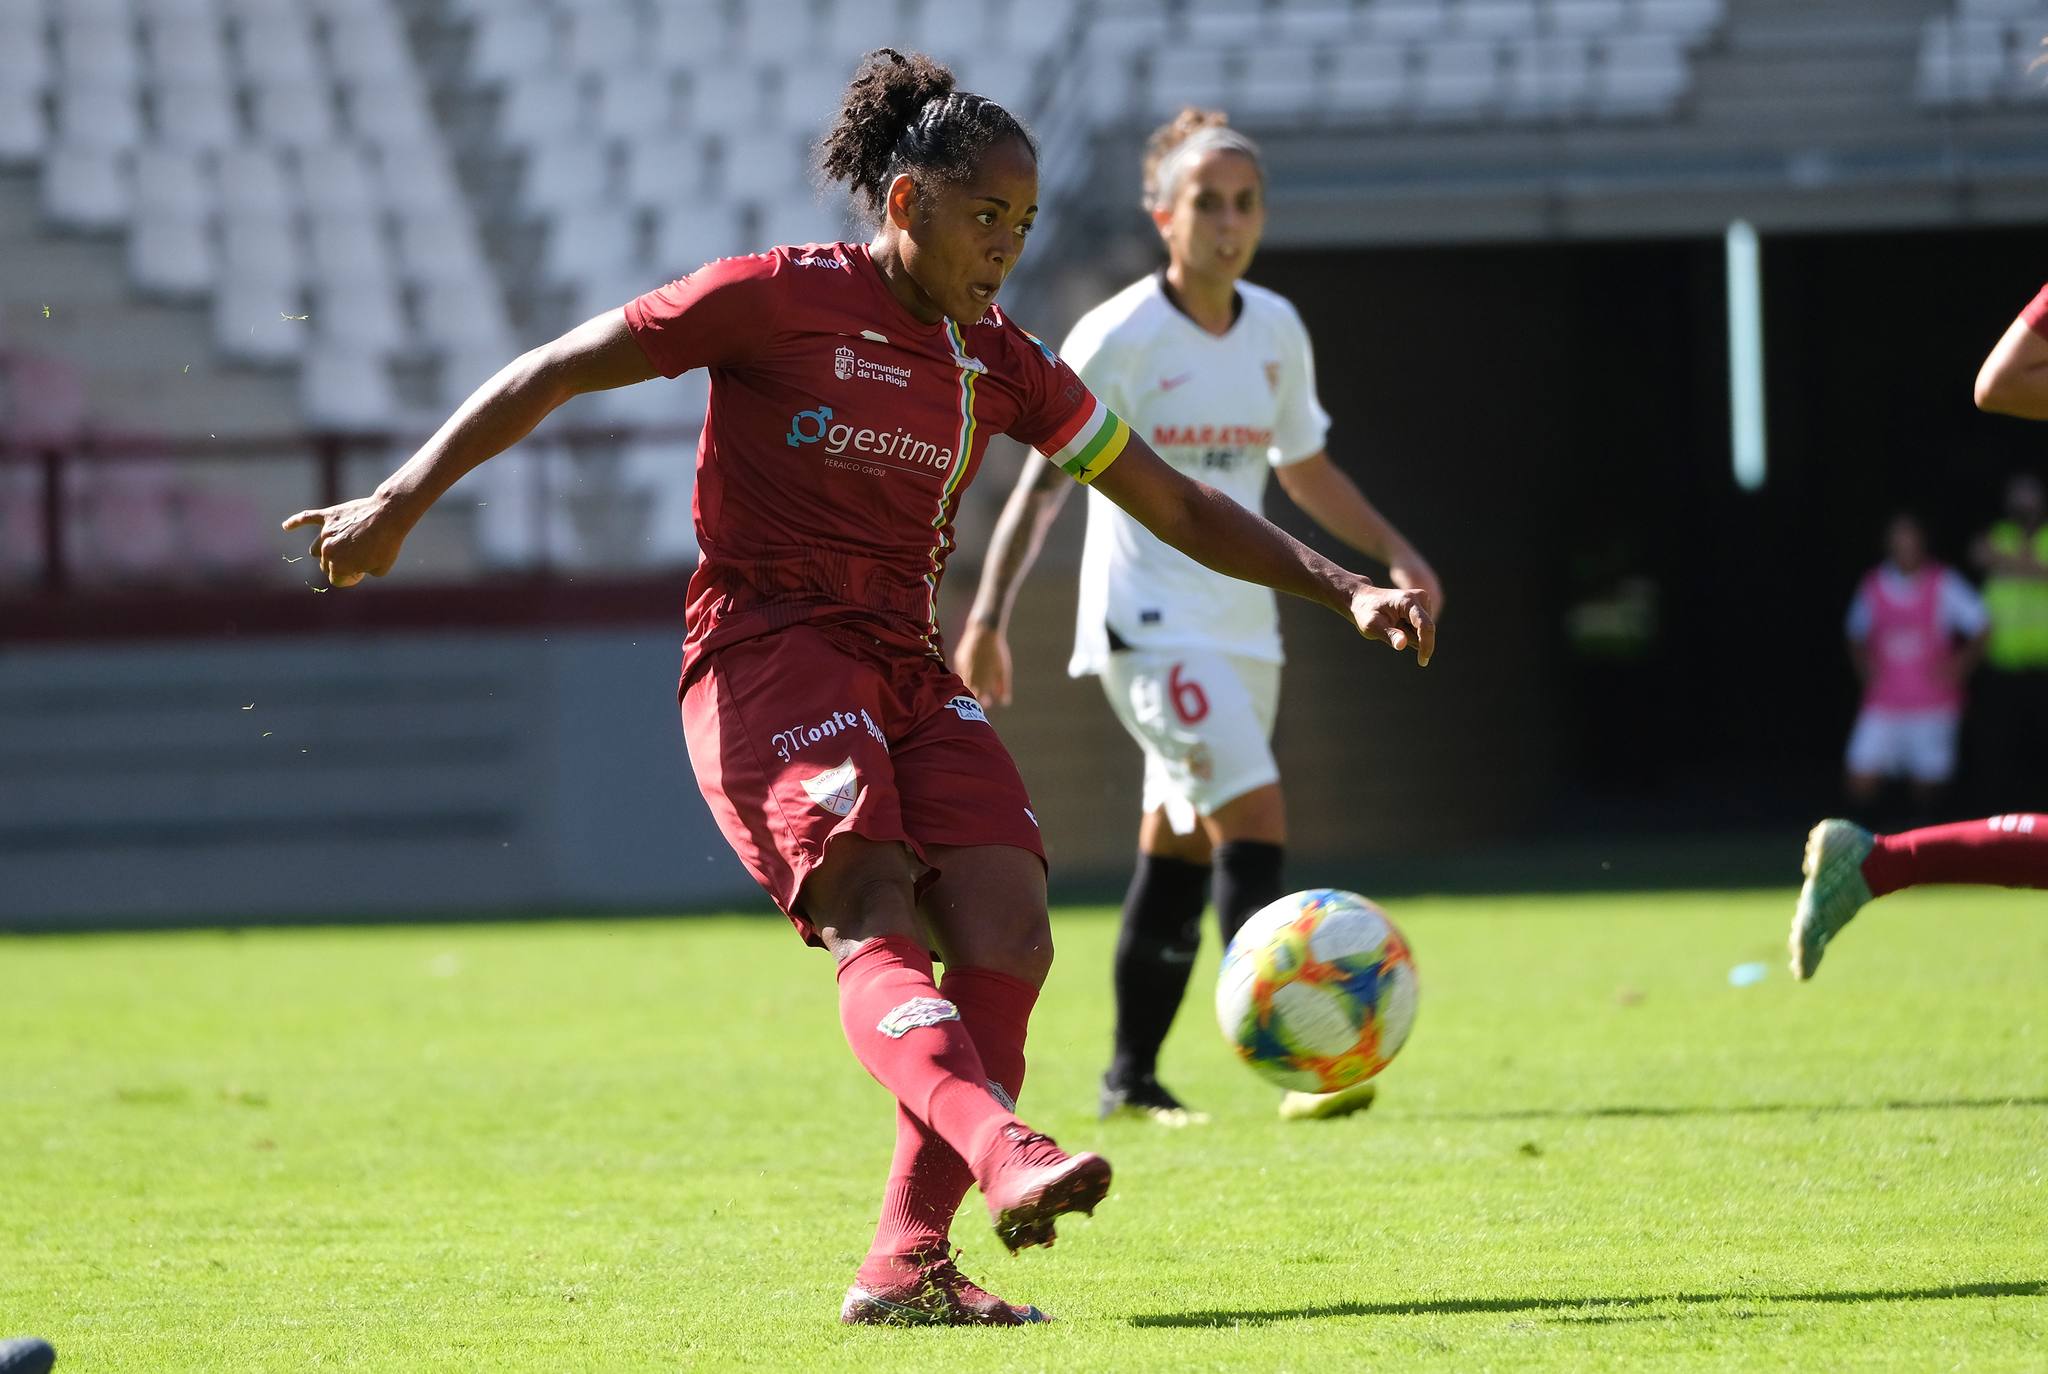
<point>1247,878</point>
<point>1162,930</point>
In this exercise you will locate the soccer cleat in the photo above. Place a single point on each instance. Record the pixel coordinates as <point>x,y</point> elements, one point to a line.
<point>937,1294</point>
<point>26,1355</point>
<point>1322,1106</point>
<point>1144,1099</point>
<point>1036,1184</point>
<point>1833,893</point>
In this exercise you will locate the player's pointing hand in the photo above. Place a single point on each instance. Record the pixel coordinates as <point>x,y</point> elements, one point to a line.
<point>356,538</point>
<point>1398,615</point>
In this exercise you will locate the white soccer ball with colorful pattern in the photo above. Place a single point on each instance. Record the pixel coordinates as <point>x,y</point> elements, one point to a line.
<point>1317,991</point>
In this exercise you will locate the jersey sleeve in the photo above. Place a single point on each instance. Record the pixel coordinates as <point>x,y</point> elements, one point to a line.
<point>721,315</point>
<point>1961,608</point>
<point>1302,426</point>
<point>1857,624</point>
<point>1063,419</point>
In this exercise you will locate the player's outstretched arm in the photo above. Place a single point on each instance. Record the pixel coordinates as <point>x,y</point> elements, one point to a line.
<point>2014,378</point>
<point>1331,499</point>
<point>363,536</point>
<point>982,658</point>
<point>1218,533</point>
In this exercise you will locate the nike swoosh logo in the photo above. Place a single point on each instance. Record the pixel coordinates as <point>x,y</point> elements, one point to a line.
<point>1169,383</point>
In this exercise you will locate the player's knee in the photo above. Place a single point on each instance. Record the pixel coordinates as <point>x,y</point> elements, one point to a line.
<point>1023,949</point>
<point>863,890</point>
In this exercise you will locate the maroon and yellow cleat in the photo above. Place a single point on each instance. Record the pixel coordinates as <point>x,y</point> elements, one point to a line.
<point>1036,1183</point>
<point>935,1294</point>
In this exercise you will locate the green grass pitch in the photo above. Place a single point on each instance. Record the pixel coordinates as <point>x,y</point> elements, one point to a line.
<point>642,1145</point>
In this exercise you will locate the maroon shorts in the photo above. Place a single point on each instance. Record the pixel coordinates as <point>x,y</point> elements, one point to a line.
<point>812,732</point>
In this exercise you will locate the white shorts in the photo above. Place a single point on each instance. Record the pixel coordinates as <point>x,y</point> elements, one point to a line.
<point>1205,722</point>
<point>1920,745</point>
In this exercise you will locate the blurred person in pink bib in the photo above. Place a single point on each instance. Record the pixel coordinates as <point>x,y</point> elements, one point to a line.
<point>1916,632</point>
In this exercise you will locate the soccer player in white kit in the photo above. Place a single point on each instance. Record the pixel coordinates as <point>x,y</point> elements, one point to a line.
<point>1218,375</point>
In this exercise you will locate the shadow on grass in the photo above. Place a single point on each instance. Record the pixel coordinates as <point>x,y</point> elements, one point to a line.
<point>1948,1104</point>
<point>1582,1309</point>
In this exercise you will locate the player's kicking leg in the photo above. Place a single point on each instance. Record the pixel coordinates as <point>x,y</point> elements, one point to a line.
<point>1847,866</point>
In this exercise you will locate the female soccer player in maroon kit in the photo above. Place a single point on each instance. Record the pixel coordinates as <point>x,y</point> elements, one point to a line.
<point>853,391</point>
<point>1846,866</point>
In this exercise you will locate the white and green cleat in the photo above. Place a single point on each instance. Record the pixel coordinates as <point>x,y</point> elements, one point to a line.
<point>1833,893</point>
<point>1323,1106</point>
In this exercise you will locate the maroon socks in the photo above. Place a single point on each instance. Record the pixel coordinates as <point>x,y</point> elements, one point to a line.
<point>2003,851</point>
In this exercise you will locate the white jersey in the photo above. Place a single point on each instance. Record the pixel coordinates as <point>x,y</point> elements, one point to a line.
<point>1223,411</point>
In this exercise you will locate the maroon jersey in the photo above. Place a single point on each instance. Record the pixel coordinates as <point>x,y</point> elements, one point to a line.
<point>841,433</point>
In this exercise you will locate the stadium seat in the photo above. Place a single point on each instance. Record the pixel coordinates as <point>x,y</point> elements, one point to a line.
<point>334,179</point>
<point>857,26</point>
<point>196,114</point>
<point>799,220</point>
<point>1119,27</point>
<point>172,183</point>
<point>24,56</point>
<point>761,166</point>
<point>86,189</point>
<point>1224,23</point>
<point>359,316</point>
<point>662,474</point>
<point>188,50</point>
<point>252,320</point>
<point>1186,76</point>
<point>417,175</point>
<point>1640,76</point>
<point>365,45</point>
<point>563,173</point>
<point>510,43</point>
<point>1692,22</point>
<point>439,247</point>
<point>1456,80</point>
<point>92,114</point>
<point>540,105</point>
<point>101,51</point>
<point>254,184</point>
<point>263,251</point>
<point>1277,82</point>
<point>348,245</point>
<point>389,110</point>
<point>690,234</point>
<point>723,96</point>
<point>171,256</point>
<point>24,130</point>
<point>1368,80</point>
<point>1587,18</point>
<point>809,95</point>
<point>588,240</point>
<point>1406,20</point>
<point>601,38</point>
<point>635,102</point>
<point>1315,21</point>
<point>466,316</point>
<point>277,50</point>
<point>293,114</point>
<point>179,11</point>
<point>947,30</point>
<point>1510,19</point>
<point>346,389</point>
<point>1548,78</point>
<point>90,11</point>
<point>690,34</point>
<point>665,169</point>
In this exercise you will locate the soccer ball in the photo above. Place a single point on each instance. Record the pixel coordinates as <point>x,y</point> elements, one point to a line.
<point>1317,991</point>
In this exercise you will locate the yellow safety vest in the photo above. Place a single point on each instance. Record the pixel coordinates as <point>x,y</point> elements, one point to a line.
<point>2018,605</point>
